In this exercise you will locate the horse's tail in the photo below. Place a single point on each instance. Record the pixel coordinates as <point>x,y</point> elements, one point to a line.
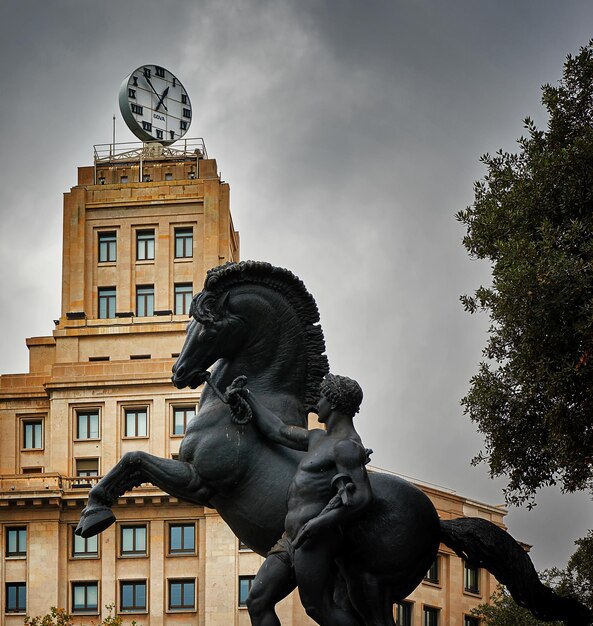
<point>484,544</point>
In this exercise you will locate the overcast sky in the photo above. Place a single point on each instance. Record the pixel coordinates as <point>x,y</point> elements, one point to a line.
<point>350,133</point>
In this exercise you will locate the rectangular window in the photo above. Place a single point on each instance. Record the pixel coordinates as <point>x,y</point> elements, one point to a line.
<point>16,541</point>
<point>87,424</point>
<point>16,597</point>
<point>404,614</point>
<point>181,417</point>
<point>87,467</point>
<point>106,303</point>
<point>82,548</point>
<point>145,245</point>
<point>182,538</point>
<point>136,422</point>
<point>32,470</point>
<point>431,617</point>
<point>244,547</point>
<point>133,540</point>
<point>33,434</point>
<point>85,597</point>
<point>432,576</point>
<point>183,298</point>
<point>145,300</point>
<point>469,620</point>
<point>184,243</point>
<point>245,583</point>
<point>182,594</point>
<point>132,594</point>
<point>107,247</point>
<point>471,578</point>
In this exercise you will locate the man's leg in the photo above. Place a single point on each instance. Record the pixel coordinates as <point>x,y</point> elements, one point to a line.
<point>316,572</point>
<point>274,581</point>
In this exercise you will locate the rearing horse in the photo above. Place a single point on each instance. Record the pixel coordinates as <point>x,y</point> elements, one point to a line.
<point>259,321</point>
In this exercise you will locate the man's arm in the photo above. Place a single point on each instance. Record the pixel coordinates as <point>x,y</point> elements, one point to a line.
<point>274,428</point>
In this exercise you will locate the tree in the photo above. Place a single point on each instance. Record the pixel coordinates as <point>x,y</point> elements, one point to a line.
<point>59,617</point>
<point>532,219</point>
<point>502,610</point>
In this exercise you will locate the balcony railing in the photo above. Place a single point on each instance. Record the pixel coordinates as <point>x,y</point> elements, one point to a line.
<point>137,151</point>
<point>22,485</point>
<point>79,482</point>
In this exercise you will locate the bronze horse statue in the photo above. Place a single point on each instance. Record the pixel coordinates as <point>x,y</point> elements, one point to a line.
<point>259,321</point>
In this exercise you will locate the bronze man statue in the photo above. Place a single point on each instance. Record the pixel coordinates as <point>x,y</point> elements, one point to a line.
<point>330,488</point>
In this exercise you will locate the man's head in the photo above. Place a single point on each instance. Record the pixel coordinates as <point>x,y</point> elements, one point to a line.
<point>342,392</point>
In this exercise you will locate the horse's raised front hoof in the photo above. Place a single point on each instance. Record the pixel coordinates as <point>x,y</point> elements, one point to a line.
<point>94,520</point>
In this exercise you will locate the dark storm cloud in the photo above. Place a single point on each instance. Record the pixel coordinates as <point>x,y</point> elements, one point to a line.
<point>350,133</point>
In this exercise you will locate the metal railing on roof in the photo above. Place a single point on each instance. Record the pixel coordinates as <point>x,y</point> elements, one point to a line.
<point>138,151</point>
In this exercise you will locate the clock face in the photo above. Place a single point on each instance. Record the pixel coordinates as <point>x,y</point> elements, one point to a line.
<point>154,105</point>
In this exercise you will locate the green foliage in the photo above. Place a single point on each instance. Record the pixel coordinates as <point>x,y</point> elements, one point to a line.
<point>59,617</point>
<point>55,617</point>
<point>532,219</point>
<point>504,611</point>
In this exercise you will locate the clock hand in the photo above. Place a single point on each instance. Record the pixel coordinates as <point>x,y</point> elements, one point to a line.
<point>161,100</point>
<point>150,83</point>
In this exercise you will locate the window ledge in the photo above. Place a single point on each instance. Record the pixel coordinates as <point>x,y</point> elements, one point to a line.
<point>473,594</point>
<point>183,259</point>
<point>134,556</point>
<point>83,612</point>
<point>431,583</point>
<point>84,557</point>
<point>192,610</point>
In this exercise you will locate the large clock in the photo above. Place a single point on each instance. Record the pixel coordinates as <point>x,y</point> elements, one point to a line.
<point>155,105</point>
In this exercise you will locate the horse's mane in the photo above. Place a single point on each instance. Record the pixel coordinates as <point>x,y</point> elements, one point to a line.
<point>221,278</point>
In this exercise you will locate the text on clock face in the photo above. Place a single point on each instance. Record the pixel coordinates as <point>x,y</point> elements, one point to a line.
<point>158,117</point>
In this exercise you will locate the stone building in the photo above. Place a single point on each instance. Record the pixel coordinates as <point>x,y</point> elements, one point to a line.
<point>141,227</point>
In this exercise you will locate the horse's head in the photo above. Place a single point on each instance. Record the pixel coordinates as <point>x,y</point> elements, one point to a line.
<point>263,323</point>
<point>212,333</point>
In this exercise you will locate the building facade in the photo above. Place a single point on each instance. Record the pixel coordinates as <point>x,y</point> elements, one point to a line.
<point>141,228</point>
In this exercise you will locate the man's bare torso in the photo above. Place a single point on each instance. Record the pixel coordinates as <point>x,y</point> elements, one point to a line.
<point>311,488</point>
